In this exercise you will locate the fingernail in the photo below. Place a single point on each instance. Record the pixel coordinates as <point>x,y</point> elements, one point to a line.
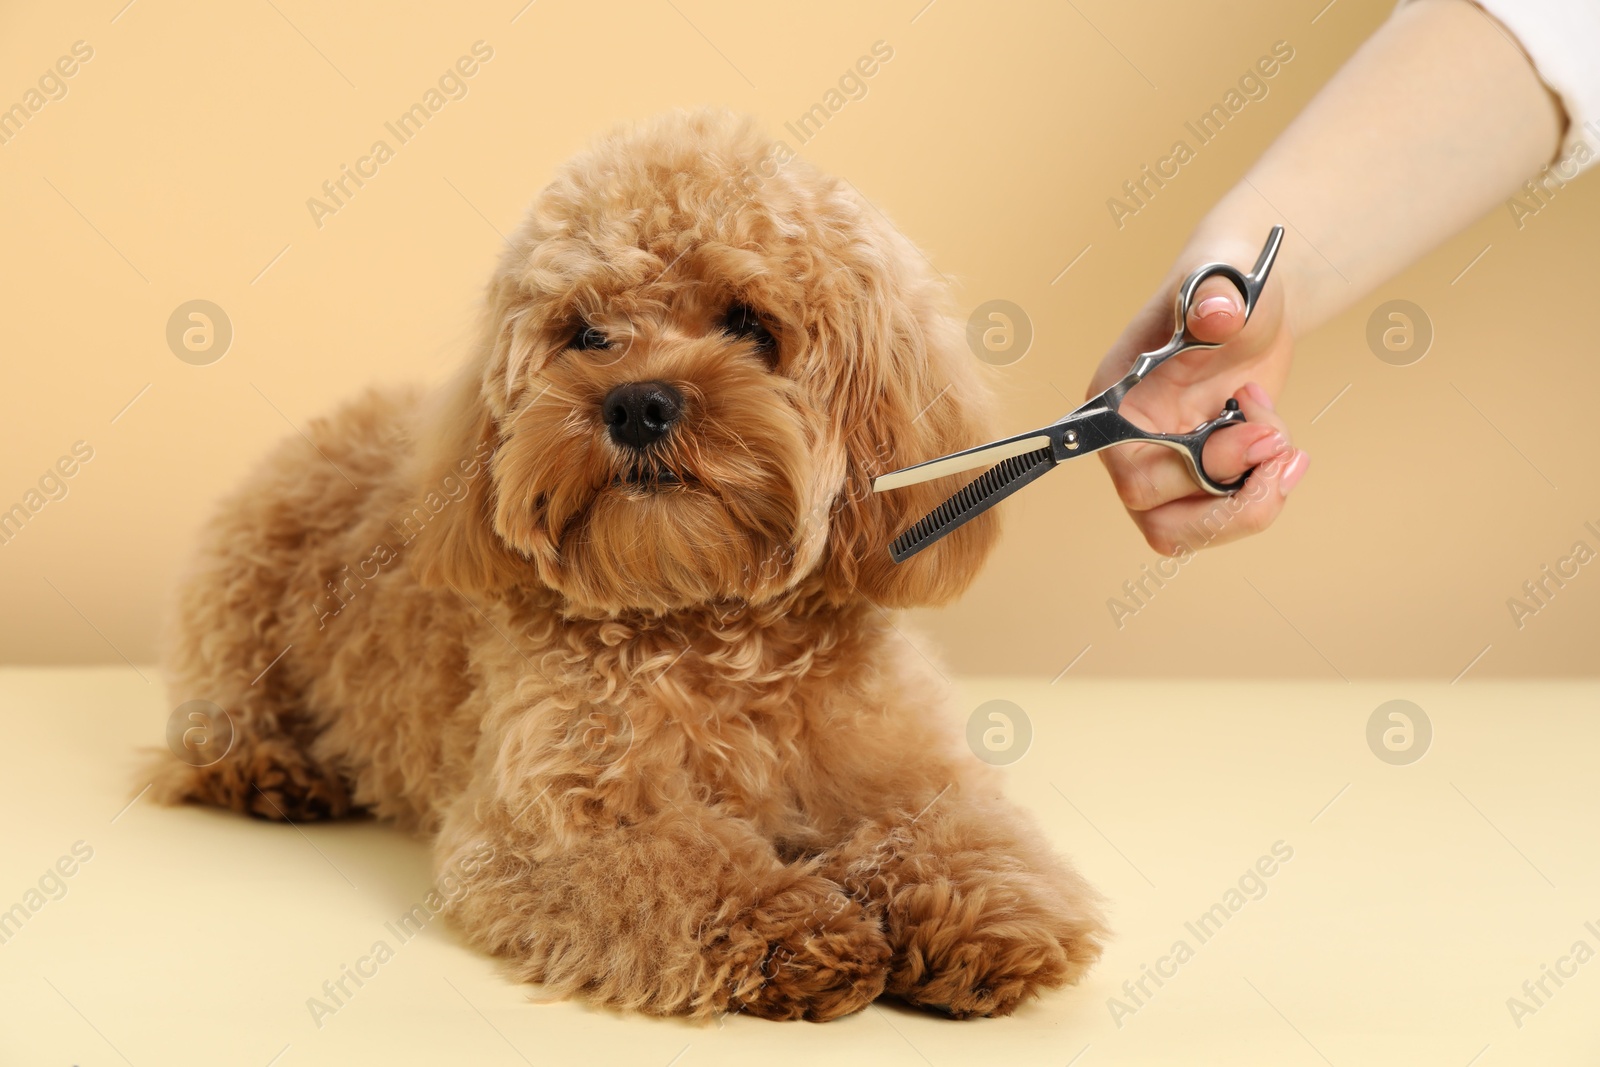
<point>1293,473</point>
<point>1259,395</point>
<point>1264,449</point>
<point>1214,305</point>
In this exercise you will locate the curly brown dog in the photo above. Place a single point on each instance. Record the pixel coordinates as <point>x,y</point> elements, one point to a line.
<point>610,611</point>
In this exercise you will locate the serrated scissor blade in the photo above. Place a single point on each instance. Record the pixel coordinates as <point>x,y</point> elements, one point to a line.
<point>972,500</point>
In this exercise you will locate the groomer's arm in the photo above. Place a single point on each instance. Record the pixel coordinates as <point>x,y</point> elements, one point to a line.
<point>1437,119</point>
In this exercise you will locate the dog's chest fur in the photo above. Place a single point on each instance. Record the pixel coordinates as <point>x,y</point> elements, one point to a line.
<point>602,709</point>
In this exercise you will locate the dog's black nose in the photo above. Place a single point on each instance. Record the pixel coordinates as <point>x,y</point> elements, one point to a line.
<point>638,414</point>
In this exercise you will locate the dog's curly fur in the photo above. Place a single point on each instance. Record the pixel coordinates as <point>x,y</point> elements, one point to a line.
<point>706,771</point>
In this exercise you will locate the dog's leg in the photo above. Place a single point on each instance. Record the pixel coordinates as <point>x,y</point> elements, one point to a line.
<point>268,776</point>
<point>266,773</point>
<point>671,908</point>
<point>980,912</point>
<point>219,656</point>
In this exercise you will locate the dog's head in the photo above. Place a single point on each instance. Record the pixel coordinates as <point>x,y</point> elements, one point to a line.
<point>699,353</point>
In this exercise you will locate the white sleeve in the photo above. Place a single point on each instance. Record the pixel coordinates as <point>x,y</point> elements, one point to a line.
<point>1562,37</point>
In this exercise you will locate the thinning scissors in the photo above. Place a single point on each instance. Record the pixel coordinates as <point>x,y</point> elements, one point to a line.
<point>1016,461</point>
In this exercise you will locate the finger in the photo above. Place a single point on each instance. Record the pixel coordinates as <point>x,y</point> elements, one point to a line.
<point>1149,476</point>
<point>1232,450</point>
<point>1194,523</point>
<point>1217,311</point>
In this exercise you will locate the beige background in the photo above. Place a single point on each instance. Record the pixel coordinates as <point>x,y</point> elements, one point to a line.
<point>179,162</point>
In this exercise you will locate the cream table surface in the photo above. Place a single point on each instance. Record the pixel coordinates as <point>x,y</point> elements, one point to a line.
<point>1418,900</point>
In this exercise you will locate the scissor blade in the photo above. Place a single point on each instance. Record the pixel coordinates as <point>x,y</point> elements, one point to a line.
<point>972,500</point>
<point>971,459</point>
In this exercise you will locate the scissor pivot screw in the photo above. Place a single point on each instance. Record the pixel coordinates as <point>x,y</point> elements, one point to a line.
<point>1071,439</point>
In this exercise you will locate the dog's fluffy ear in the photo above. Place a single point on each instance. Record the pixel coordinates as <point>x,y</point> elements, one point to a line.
<point>459,545</point>
<point>908,391</point>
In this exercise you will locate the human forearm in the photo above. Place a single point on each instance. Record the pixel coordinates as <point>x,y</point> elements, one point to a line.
<point>1438,117</point>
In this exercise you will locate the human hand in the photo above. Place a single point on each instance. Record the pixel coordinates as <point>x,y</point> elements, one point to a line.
<point>1251,365</point>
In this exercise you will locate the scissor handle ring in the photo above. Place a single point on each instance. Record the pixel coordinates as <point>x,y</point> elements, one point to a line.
<point>1192,447</point>
<point>1249,286</point>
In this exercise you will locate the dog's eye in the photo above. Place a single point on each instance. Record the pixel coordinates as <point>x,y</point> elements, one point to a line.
<point>741,321</point>
<point>587,339</point>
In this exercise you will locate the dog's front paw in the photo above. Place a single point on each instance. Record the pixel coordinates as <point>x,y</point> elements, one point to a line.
<point>808,952</point>
<point>982,949</point>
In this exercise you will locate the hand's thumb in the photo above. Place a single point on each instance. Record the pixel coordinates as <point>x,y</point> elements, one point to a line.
<point>1217,311</point>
